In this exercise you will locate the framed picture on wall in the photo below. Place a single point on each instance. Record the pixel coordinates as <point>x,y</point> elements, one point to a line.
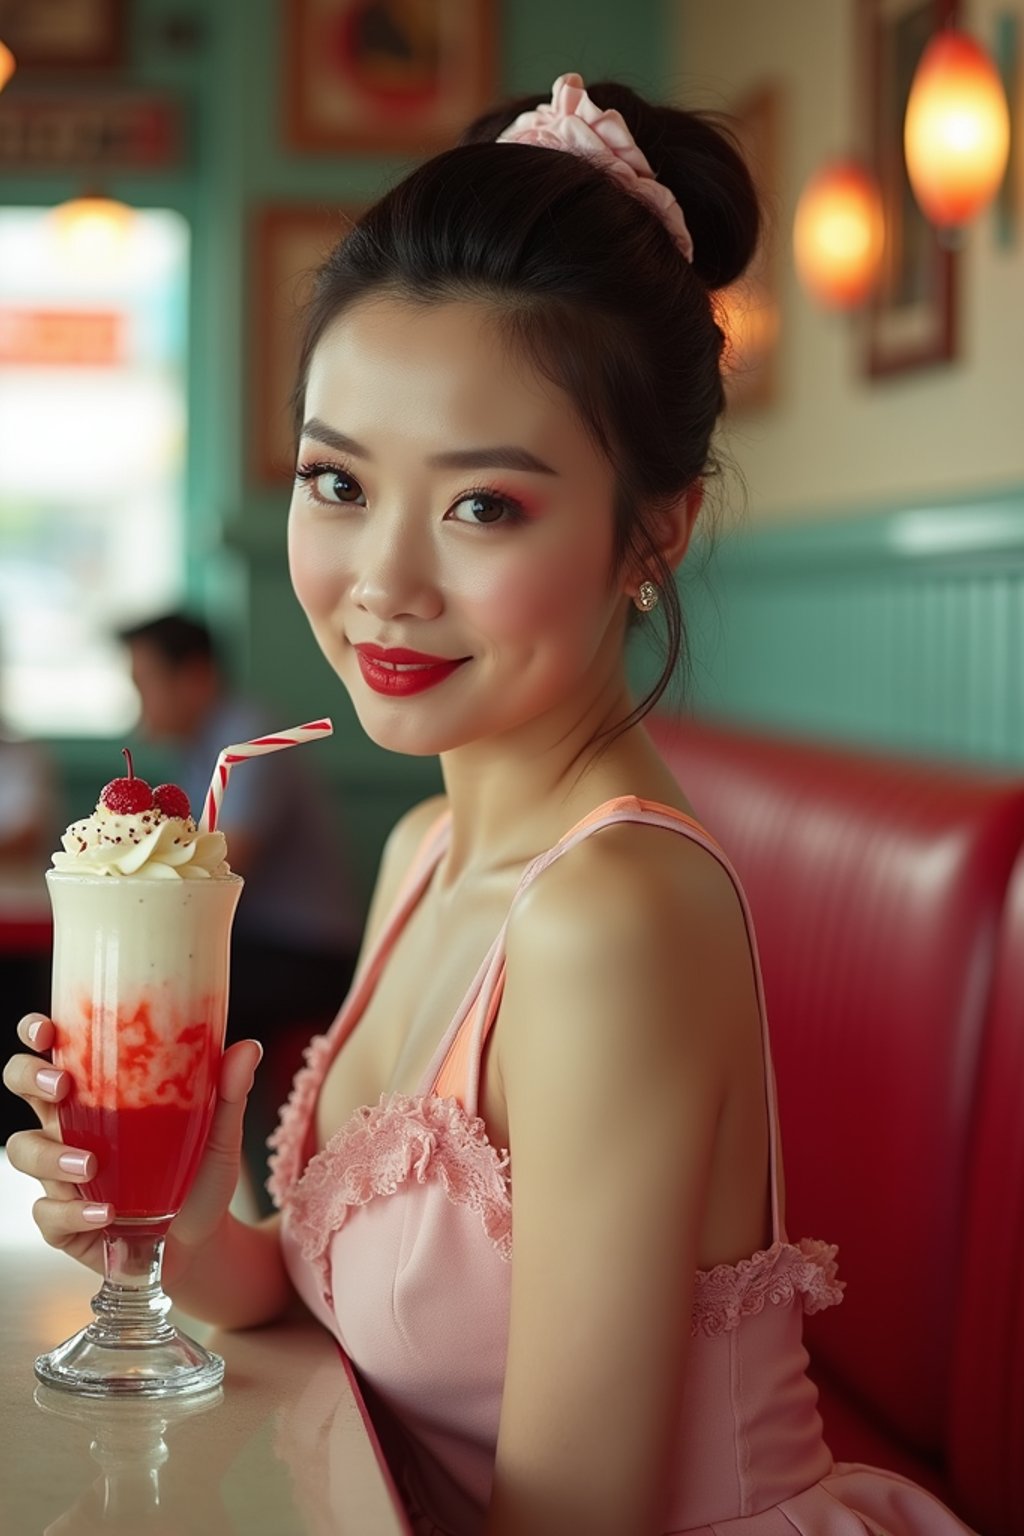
<point>748,310</point>
<point>911,322</point>
<point>399,75</point>
<point>290,242</point>
<point>63,34</point>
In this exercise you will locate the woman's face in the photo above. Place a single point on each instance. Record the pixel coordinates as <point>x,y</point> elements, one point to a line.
<point>448,503</point>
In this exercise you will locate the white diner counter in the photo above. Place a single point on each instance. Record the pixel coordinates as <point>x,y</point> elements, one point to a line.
<point>281,1450</point>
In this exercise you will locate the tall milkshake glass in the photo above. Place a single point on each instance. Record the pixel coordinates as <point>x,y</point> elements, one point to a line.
<point>140,990</point>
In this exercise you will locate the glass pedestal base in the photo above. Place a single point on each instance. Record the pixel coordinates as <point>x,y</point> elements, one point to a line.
<point>130,1349</point>
<point>100,1367</point>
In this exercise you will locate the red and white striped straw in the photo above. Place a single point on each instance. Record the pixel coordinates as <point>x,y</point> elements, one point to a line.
<point>293,737</point>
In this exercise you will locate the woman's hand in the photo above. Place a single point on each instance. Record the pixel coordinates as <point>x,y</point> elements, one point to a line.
<point>62,1216</point>
<point>75,1225</point>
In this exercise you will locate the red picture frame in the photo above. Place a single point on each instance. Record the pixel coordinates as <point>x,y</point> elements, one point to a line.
<point>60,35</point>
<point>289,242</point>
<point>911,320</point>
<point>385,75</point>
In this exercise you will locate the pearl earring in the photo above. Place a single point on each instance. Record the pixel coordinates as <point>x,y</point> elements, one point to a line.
<point>647,596</point>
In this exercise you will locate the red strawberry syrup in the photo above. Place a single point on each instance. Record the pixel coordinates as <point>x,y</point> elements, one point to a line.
<point>147,1154</point>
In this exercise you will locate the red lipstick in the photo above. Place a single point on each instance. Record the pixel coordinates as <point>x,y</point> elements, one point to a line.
<point>398,672</point>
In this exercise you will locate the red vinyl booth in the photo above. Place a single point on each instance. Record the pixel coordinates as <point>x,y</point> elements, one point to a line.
<point>890,923</point>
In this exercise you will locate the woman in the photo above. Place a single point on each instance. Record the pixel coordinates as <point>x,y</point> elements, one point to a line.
<point>509,382</point>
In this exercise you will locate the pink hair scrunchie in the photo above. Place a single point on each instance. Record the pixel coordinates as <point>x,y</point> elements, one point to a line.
<point>572,122</point>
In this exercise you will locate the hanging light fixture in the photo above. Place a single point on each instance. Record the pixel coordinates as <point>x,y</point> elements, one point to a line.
<point>839,235</point>
<point>94,230</point>
<point>8,64</point>
<point>956,135</point>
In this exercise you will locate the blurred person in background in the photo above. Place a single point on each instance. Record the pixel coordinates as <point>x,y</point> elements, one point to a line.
<point>28,824</point>
<point>297,929</point>
<point>27,811</point>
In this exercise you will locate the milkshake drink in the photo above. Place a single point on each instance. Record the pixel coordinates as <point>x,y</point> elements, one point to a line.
<point>142,904</point>
<point>143,901</point>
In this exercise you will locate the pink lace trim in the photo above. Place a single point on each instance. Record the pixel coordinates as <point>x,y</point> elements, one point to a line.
<point>288,1140</point>
<point>776,1276</point>
<point>430,1138</point>
<point>381,1148</point>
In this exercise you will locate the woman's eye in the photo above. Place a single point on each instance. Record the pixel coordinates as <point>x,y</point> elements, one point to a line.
<point>481,509</point>
<point>333,486</point>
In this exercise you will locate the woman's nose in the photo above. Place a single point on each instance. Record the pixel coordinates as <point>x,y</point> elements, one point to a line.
<point>395,576</point>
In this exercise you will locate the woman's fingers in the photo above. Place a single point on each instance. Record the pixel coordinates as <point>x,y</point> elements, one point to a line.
<point>31,1079</point>
<point>237,1069</point>
<point>217,1178</point>
<point>61,1221</point>
<point>38,1155</point>
<point>36,1030</point>
<point>39,1083</point>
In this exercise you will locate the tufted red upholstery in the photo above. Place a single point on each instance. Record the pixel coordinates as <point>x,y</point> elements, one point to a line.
<point>988,1380</point>
<point>877,887</point>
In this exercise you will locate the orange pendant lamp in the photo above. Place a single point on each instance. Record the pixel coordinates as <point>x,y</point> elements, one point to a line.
<point>8,64</point>
<point>956,135</point>
<point>839,235</point>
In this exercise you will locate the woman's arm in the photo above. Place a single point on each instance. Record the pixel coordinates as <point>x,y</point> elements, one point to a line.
<point>618,1038</point>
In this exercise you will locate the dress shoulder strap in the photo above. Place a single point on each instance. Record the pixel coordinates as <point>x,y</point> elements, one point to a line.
<point>425,860</point>
<point>455,1071</point>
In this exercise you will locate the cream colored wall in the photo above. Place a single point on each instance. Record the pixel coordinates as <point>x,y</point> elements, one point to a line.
<point>836,441</point>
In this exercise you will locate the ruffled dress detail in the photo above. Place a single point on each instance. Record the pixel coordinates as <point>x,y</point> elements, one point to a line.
<point>401,1139</point>
<point>776,1276</point>
<point>288,1142</point>
<point>426,1138</point>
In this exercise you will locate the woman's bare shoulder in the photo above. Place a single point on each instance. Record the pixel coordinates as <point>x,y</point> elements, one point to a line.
<point>639,911</point>
<point>635,881</point>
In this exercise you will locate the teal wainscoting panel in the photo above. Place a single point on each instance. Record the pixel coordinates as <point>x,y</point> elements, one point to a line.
<point>901,630</point>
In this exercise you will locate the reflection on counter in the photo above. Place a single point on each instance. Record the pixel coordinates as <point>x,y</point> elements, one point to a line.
<point>313,1437</point>
<point>139,1492</point>
<point>280,1450</point>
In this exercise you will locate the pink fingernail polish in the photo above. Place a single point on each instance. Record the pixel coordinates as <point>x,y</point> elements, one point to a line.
<point>48,1080</point>
<point>100,1214</point>
<point>33,1031</point>
<point>78,1164</point>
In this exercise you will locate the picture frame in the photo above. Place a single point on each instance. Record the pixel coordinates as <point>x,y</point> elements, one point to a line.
<point>396,75</point>
<point>289,242</point>
<point>61,35</point>
<point>910,321</point>
<point>45,130</point>
<point>749,310</point>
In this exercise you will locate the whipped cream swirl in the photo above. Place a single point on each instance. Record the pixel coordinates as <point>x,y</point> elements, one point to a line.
<point>146,843</point>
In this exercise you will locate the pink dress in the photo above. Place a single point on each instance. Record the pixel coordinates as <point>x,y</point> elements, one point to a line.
<point>398,1235</point>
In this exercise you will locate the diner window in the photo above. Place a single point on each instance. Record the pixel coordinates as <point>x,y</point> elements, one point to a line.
<point>93,339</point>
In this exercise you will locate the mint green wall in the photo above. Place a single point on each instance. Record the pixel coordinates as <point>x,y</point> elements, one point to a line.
<point>231,86</point>
<point>901,629</point>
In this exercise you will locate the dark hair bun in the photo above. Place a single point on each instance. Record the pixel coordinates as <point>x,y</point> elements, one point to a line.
<point>693,153</point>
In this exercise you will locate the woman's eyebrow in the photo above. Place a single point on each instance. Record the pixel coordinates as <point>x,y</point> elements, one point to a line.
<point>504,456</point>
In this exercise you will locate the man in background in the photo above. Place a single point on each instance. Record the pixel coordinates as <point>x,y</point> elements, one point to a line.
<point>29,823</point>
<point>297,925</point>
